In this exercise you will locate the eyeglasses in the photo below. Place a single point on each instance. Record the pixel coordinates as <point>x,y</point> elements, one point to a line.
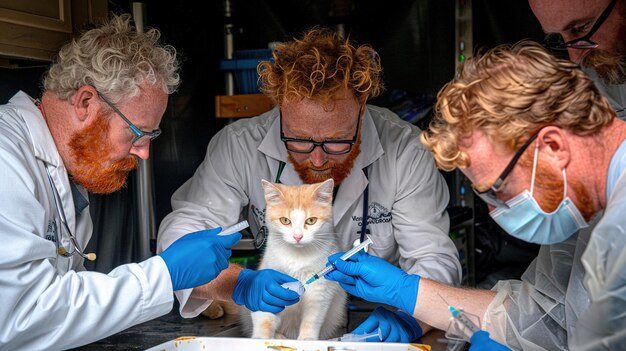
<point>331,147</point>
<point>489,195</point>
<point>75,248</point>
<point>141,138</point>
<point>555,40</point>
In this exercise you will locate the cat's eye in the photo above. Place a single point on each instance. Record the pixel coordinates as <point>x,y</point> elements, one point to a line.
<point>285,220</point>
<point>311,220</point>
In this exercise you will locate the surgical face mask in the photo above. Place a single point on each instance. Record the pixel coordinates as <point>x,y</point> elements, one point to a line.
<point>525,220</point>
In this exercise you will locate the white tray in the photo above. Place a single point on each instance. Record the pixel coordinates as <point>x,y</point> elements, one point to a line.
<point>234,344</point>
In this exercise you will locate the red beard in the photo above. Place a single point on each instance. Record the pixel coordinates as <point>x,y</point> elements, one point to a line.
<point>549,192</point>
<point>338,171</point>
<point>90,150</point>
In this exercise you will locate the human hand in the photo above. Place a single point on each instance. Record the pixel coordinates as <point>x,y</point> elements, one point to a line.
<point>261,291</point>
<point>375,279</point>
<point>481,341</point>
<point>197,258</point>
<point>394,326</point>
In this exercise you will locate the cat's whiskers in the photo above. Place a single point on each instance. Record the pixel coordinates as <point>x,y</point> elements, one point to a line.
<point>332,235</point>
<point>320,246</point>
<point>314,247</point>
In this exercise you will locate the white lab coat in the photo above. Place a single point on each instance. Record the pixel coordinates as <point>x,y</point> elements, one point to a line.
<point>49,302</point>
<point>407,194</point>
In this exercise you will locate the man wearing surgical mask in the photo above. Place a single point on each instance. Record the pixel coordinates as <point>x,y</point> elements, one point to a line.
<point>547,153</point>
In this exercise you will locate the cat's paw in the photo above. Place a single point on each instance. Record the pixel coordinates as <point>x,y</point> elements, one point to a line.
<point>306,337</point>
<point>280,336</point>
<point>218,308</point>
<point>214,311</point>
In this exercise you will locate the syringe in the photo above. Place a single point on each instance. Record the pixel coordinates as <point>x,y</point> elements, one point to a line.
<point>235,228</point>
<point>377,335</point>
<point>343,257</point>
<point>469,327</point>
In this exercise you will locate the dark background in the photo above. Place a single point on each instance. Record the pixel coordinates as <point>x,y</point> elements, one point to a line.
<point>415,40</point>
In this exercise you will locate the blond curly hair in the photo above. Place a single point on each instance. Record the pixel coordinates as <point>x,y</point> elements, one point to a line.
<point>319,65</point>
<point>509,93</point>
<point>115,59</point>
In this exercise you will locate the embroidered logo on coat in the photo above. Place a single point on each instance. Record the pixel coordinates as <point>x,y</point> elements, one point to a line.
<point>376,213</point>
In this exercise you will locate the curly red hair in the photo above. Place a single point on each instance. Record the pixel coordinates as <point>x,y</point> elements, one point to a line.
<point>319,65</point>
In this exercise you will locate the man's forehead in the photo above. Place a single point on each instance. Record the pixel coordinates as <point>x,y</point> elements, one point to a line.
<point>312,116</point>
<point>562,15</point>
<point>486,157</point>
<point>479,146</point>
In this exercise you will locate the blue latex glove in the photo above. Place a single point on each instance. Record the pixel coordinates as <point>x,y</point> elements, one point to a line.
<point>261,291</point>
<point>376,280</point>
<point>197,258</point>
<point>481,341</point>
<point>394,326</point>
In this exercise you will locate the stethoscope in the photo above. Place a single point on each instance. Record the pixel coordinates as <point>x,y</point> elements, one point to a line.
<point>76,246</point>
<point>281,167</point>
<point>59,206</point>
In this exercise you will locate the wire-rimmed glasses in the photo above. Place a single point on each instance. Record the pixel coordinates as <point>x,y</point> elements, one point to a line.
<point>555,41</point>
<point>141,138</point>
<point>489,195</point>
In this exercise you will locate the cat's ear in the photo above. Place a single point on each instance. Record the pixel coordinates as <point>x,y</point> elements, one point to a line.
<point>324,191</point>
<point>272,193</point>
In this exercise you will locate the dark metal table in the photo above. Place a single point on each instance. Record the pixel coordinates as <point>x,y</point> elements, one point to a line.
<point>165,328</point>
<point>172,326</point>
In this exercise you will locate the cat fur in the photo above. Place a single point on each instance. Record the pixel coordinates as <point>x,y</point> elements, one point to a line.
<point>321,312</point>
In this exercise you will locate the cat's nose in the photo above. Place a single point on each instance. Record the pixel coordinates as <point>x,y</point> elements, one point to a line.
<point>297,237</point>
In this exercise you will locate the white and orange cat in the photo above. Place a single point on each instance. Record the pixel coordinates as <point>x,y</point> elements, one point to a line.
<point>300,238</point>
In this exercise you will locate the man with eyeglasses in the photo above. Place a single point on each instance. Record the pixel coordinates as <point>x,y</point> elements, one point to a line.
<point>387,184</point>
<point>594,34</point>
<point>103,100</point>
<point>547,153</point>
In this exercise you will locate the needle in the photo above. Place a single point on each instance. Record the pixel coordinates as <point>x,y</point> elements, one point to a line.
<point>343,257</point>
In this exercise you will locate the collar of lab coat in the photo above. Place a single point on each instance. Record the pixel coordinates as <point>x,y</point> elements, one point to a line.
<point>45,150</point>
<point>356,182</point>
<point>41,139</point>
